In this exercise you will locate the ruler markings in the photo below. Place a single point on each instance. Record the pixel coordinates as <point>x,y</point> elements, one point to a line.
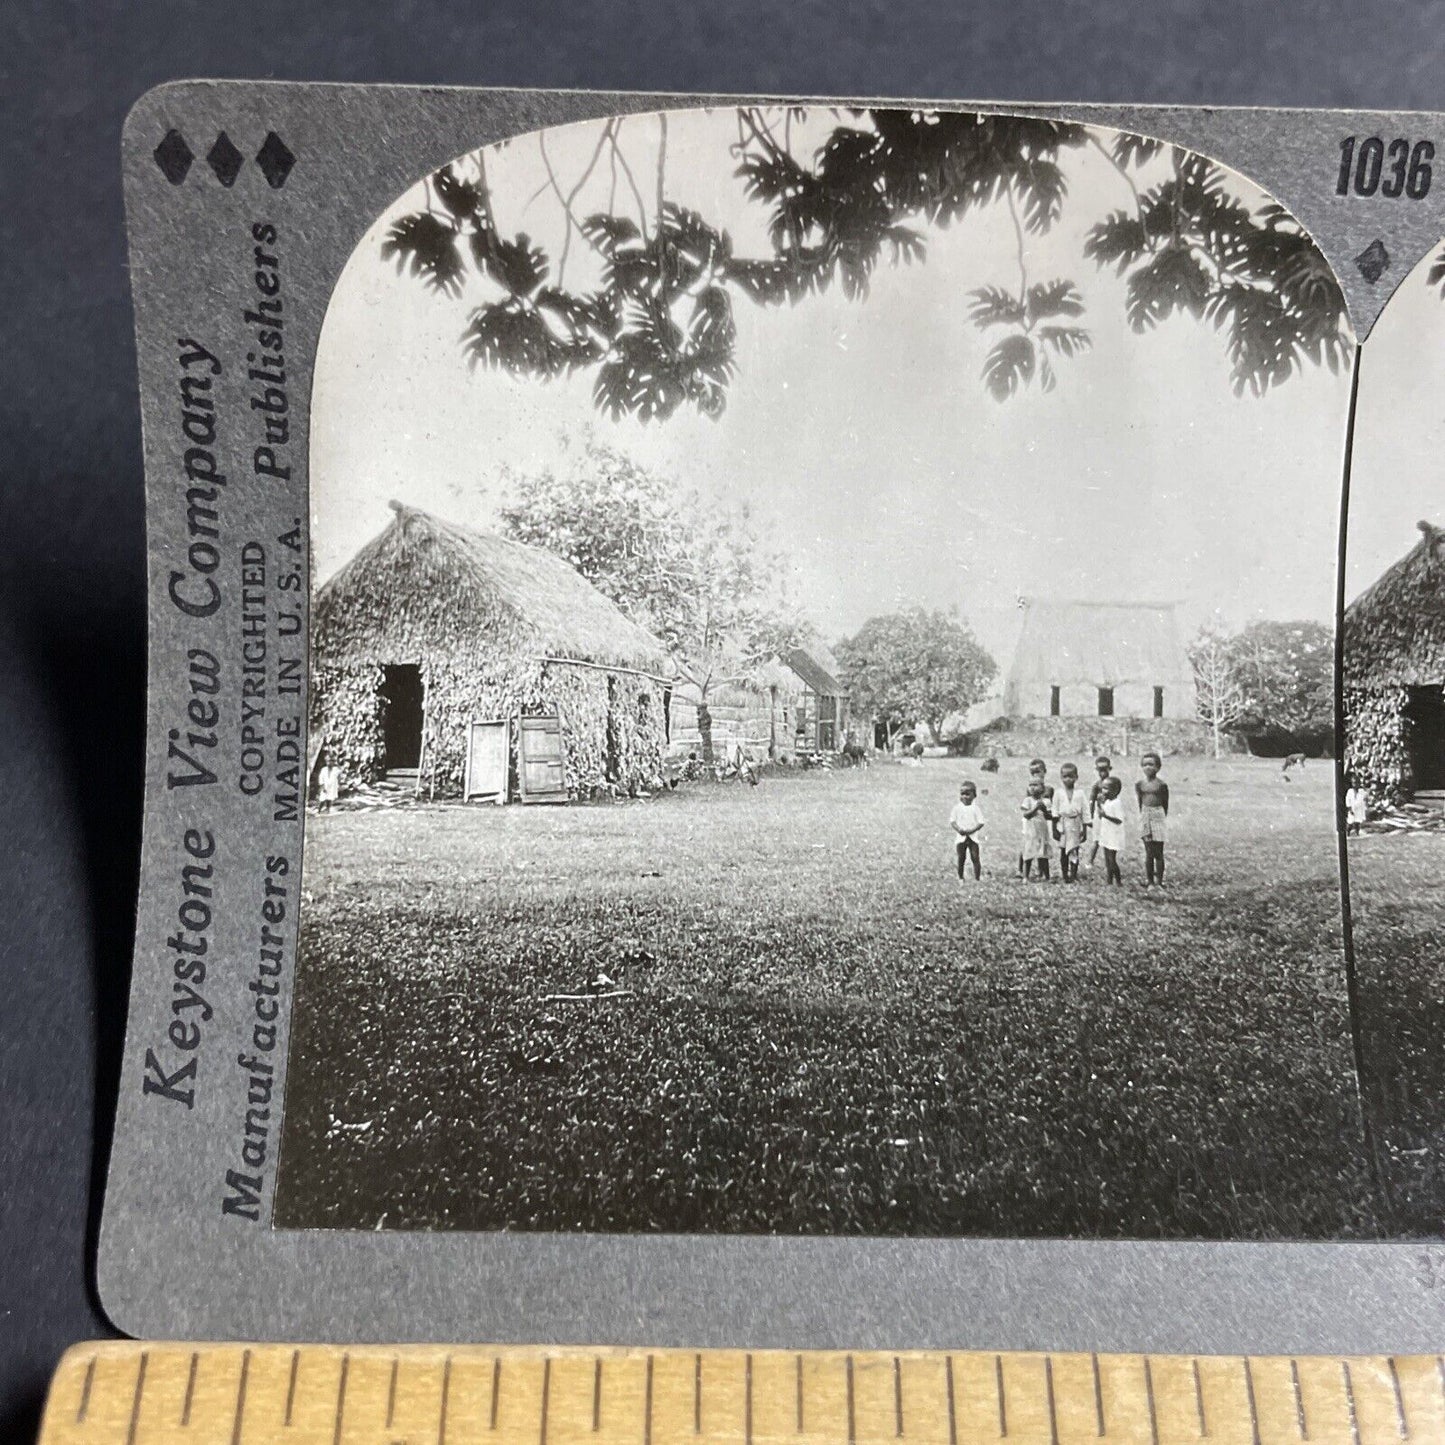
<point>1149,1397</point>
<point>852,1417</point>
<point>747,1399</point>
<point>291,1387</point>
<point>952,1406</point>
<point>1041,1383</point>
<point>1350,1401</point>
<point>190,1390</point>
<point>1301,1420</point>
<point>446,1401</point>
<point>1401,1423</point>
<point>1053,1407</point>
<point>241,1397</point>
<point>83,1408</point>
<point>140,1381</point>
<point>341,1399</point>
<point>1002,1402</point>
<point>1253,1403</point>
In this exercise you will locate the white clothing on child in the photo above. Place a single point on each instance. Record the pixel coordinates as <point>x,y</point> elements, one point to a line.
<point>1111,823</point>
<point>964,815</point>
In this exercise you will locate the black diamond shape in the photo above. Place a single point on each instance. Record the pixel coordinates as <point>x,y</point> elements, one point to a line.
<point>275,160</point>
<point>225,160</point>
<point>174,157</point>
<point>1373,261</point>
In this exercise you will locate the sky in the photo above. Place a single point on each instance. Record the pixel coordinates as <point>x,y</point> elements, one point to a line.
<point>1397,477</point>
<point>859,433</point>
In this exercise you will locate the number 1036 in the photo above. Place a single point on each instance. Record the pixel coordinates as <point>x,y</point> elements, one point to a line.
<point>1389,168</point>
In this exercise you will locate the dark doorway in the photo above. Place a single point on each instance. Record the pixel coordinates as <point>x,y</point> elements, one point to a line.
<point>1425,738</point>
<point>1106,702</point>
<point>401,713</point>
<point>1055,700</point>
<point>1158,702</point>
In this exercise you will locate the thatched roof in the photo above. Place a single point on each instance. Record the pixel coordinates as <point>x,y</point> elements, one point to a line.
<point>1099,644</point>
<point>427,578</point>
<point>1395,629</point>
<point>818,668</point>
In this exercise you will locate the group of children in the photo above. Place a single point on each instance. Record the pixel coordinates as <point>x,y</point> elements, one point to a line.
<point>1062,818</point>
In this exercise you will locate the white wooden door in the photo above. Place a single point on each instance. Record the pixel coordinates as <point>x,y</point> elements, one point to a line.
<point>486,771</point>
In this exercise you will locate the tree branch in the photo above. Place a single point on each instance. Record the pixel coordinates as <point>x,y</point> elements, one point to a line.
<point>631,179</point>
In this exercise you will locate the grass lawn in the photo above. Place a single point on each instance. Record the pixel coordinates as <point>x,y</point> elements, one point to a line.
<point>1399,923</point>
<point>823,1031</point>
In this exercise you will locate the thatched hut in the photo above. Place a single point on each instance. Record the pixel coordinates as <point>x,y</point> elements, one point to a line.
<point>469,665</point>
<point>1099,659</point>
<point>757,714</point>
<point>1394,668</point>
<point>822,712</point>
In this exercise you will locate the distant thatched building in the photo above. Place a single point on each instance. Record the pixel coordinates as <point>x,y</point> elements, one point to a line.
<point>470,663</point>
<point>790,705</point>
<point>1099,659</point>
<point>1394,667</point>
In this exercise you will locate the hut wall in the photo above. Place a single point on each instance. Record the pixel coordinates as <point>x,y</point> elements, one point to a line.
<point>1080,700</point>
<point>345,717</point>
<point>590,710</point>
<point>1376,751</point>
<point>346,713</point>
<point>754,718</point>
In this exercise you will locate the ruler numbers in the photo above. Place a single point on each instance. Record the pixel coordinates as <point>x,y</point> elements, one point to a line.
<point>1372,165</point>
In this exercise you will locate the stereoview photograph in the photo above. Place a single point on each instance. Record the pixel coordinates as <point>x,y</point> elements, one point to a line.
<point>1393,645</point>
<point>822,708</point>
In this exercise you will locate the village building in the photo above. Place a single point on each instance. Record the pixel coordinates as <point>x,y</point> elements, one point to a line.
<point>1394,669</point>
<point>1090,677</point>
<point>790,706</point>
<point>1099,659</point>
<point>465,665</point>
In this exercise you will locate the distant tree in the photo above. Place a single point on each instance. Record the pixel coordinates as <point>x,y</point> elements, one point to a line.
<point>692,572</point>
<point>1286,671</point>
<point>913,666</point>
<point>1219,694</point>
<point>657,332</point>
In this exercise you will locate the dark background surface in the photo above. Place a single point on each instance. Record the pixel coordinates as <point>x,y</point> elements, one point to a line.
<point>72,617</point>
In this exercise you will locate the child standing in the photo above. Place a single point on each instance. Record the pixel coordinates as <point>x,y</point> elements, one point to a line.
<point>1034,849</point>
<point>1039,770</point>
<point>328,784</point>
<point>1110,822</point>
<point>1152,793</point>
<point>966,820</point>
<point>1103,767</point>
<point>1357,806</point>
<point>1071,821</point>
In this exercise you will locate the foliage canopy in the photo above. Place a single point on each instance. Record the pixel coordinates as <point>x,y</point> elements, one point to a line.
<point>658,332</point>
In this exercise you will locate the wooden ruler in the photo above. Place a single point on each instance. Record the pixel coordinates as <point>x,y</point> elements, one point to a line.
<point>124,1393</point>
